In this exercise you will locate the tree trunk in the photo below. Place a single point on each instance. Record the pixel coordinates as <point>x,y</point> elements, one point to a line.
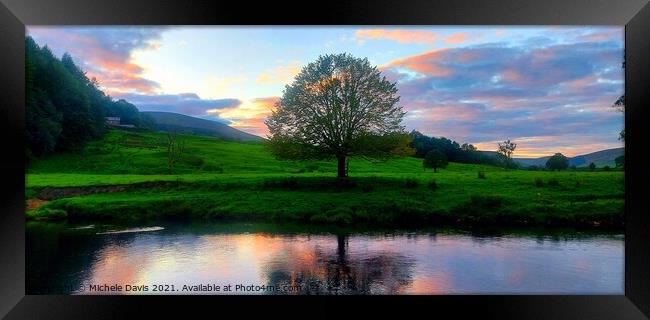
<point>341,167</point>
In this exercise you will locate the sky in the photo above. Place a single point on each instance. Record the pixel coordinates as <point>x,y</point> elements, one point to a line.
<point>549,89</point>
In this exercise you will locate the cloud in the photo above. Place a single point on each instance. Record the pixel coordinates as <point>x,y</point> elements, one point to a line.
<point>398,35</point>
<point>457,38</point>
<point>250,115</point>
<point>280,74</point>
<point>185,103</point>
<point>104,53</point>
<point>430,63</point>
<point>491,92</point>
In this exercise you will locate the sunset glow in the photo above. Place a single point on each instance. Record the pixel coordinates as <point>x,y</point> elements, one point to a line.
<point>549,89</point>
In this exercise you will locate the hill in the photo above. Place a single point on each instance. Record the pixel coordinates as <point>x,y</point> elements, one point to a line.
<point>124,175</point>
<point>168,121</point>
<point>600,158</point>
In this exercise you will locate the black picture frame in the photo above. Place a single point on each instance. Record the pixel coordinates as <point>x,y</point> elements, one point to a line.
<point>634,14</point>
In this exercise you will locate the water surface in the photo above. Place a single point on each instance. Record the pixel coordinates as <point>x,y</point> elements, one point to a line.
<point>285,259</point>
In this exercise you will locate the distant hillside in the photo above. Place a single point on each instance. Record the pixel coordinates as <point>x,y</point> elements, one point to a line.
<point>168,121</point>
<point>599,158</point>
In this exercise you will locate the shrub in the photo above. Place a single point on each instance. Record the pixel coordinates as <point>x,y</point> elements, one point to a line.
<point>554,182</point>
<point>432,185</point>
<point>481,175</point>
<point>539,182</point>
<point>311,167</point>
<point>411,183</point>
<point>607,168</point>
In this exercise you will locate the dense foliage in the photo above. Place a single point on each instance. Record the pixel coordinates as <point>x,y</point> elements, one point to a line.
<point>465,153</point>
<point>338,106</point>
<point>435,159</point>
<point>557,162</point>
<point>64,109</point>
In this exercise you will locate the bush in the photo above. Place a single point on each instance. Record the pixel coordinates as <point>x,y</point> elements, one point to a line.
<point>481,175</point>
<point>607,168</point>
<point>539,182</point>
<point>554,182</point>
<point>411,183</point>
<point>432,185</point>
<point>311,168</point>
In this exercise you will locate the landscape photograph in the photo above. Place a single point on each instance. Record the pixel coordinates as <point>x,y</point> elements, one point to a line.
<point>324,160</point>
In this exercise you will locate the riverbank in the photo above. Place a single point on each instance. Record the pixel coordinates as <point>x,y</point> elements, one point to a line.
<point>456,200</point>
<point>125,176</point>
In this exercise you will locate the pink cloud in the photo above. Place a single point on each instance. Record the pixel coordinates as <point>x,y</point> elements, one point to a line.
<point>457,38</point>
<point>104,56</point>
<point>430,63</point>
<point>398,35</point>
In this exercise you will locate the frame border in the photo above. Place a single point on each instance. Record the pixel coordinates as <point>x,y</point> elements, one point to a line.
<point>634,14</point>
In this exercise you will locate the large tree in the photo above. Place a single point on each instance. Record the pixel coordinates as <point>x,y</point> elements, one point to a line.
<point>338,106</point>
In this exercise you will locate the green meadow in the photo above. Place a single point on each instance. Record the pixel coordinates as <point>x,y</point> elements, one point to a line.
<point>125,176</point>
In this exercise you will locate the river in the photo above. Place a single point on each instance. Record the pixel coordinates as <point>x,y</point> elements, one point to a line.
<point>237,258</point>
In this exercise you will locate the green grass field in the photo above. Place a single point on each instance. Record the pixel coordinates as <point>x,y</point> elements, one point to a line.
<point>125,176</point>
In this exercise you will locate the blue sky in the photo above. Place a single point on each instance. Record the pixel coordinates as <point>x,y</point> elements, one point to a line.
<point>548,88</point>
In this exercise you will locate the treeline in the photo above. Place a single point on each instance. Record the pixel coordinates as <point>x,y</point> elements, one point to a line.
<point>455,152</point>
<point>64,109</point>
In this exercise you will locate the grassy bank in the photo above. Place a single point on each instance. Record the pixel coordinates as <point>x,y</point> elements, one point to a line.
<point>125,177</point>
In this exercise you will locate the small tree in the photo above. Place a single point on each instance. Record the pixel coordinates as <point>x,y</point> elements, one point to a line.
<point>468,147</point>
<point>620,161</point>
<point>504,154</point>
<point>592,166</point>
<point>507,148</point>
<point>434,159</point>
<point>175,147</point>
<point>557,162</point>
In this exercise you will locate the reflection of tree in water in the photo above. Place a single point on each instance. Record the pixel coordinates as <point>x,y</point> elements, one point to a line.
<point>341,273</point>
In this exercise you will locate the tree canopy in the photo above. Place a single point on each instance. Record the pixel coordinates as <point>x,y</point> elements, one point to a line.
<point>338,106</point>
<point>64,109</point>
<point>435,159</point>
<point>455,152</point>
<point>557,162</point>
